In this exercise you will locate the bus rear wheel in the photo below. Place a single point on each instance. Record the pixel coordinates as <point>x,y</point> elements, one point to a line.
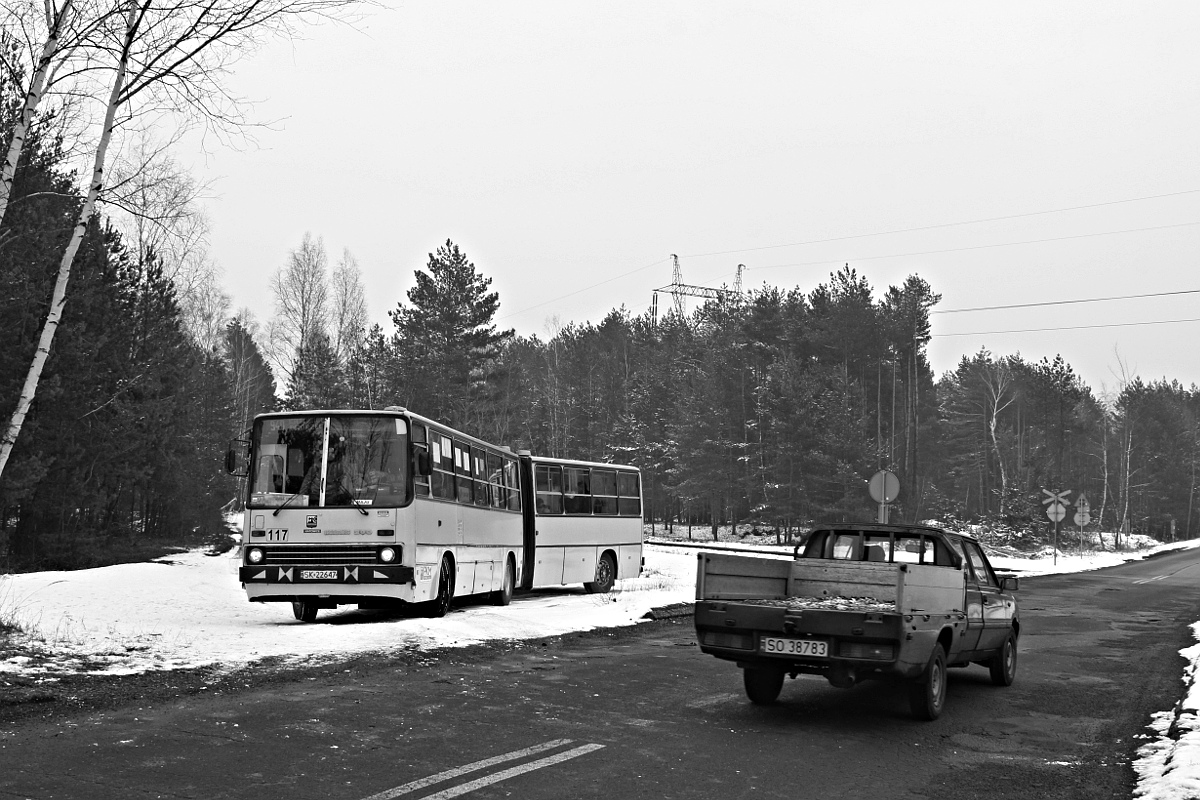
<point>503,596</point>
<point>304,610</point>
<point>606,575</point>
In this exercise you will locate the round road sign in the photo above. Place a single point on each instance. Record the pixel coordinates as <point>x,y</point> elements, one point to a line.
<point>884,486</point>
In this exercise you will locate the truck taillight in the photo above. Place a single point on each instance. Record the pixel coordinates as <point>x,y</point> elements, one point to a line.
<point>875,652</point>
<point>734,641</point>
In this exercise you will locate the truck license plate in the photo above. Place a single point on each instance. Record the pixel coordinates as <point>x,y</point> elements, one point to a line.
<point>318,574</point>
<point>816,648</point>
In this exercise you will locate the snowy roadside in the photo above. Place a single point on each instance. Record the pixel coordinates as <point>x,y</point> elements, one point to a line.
<point>188,611</point>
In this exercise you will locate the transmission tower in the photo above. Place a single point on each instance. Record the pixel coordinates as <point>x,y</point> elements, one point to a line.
<point>680,290</point>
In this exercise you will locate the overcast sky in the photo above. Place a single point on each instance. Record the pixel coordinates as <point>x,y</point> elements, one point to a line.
<point>1011,153</point>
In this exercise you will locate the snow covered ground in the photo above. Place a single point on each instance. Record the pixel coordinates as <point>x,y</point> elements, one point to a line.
<point>188,610</point>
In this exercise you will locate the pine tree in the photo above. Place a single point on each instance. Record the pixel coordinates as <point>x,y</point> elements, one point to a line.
<point>446,343</point>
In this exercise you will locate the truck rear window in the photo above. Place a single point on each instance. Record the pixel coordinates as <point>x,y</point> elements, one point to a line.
<point>878,546</point>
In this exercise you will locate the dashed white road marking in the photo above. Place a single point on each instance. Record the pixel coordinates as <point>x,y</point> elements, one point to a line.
<point>1149,580</point>
<point>496,777</point>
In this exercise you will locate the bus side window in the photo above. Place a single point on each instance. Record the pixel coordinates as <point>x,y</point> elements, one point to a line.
<point>548,485</point>
<point>420,482</point>
<point>479,476</point>
<point>578,491</point>
<point>441,482</point>
<point>604,492</point>
<point>497,493</point>
<point>629,499</point>
<point>462,472</point>
<point>513,482</point>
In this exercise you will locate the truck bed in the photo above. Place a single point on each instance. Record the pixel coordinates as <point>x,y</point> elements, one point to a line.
<point>829,584</point>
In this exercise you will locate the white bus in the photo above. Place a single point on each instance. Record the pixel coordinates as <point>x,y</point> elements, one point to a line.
<point>385,508</point>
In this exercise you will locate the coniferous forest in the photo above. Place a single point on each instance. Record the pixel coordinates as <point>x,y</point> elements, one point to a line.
<point>768,409</point>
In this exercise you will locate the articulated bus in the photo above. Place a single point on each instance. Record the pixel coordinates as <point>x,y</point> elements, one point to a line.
<point>381,509</point>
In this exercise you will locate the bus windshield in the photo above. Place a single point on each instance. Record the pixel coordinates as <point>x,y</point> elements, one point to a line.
<point>343,460</point>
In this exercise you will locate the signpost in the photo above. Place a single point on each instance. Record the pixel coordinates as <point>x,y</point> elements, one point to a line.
<point>884,487</point>
<point>1083,516</point>
<point>1056,509</point>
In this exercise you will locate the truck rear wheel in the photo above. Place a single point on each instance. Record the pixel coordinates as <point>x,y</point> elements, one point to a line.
<point>763,684</point>
<point>1003,665</point>
<point>927,694</point>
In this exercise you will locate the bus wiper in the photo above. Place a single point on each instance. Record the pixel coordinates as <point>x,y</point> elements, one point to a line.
<point>282,505</point>
<point>349,495</point>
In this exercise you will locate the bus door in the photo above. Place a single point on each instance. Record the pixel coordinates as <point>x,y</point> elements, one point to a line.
<point>546,556</point>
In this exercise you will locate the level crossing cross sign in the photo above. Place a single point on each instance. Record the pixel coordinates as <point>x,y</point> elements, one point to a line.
<point>1083,511</point>
<point>1056,504</point>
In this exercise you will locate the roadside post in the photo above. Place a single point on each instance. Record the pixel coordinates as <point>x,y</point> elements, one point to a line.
<point>1056,508</point>
<point>1083,516</point>
<point>884,487</point>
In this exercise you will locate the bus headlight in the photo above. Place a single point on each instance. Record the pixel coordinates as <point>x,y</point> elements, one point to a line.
<point>387,554</point>
<point>255,555</point>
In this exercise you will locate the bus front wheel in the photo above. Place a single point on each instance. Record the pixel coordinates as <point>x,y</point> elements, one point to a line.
<point>440,605</point>
<point>304,610</point>
<point>606,575</point>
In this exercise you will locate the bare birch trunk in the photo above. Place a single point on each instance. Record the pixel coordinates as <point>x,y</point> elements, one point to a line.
<point>59,298</point>
<point>32,98</point>
<point>1126,477</point>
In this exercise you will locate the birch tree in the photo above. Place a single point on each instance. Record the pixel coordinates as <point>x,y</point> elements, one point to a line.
<point>348,325</point>
<point>46,43</point>
<point>301,306</point>
<point>161,57</point>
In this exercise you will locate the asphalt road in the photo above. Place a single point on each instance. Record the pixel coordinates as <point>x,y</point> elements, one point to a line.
<point>640,712</point>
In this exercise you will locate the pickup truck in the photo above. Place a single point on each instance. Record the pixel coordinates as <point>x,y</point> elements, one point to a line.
<point>859,602</point>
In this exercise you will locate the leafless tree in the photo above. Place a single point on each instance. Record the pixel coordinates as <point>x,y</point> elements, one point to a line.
<point>153,57</point>
<point>157,205</point>
<point>349,311</point>
<point>50,49</point>
<point>301,304</point>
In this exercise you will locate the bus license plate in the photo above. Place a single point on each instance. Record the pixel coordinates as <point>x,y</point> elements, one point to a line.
<point>318,574</point>
<point>815,648</point>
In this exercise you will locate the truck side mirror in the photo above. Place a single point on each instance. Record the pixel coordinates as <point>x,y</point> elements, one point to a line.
<point>1010,584</point>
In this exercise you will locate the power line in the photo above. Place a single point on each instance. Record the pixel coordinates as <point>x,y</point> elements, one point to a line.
<point>977,247</point>
<point>1065,302</point>
<point>942,225</point>
<point>581,291</point>
<point>1068,328</point>
<point>899,255</point>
